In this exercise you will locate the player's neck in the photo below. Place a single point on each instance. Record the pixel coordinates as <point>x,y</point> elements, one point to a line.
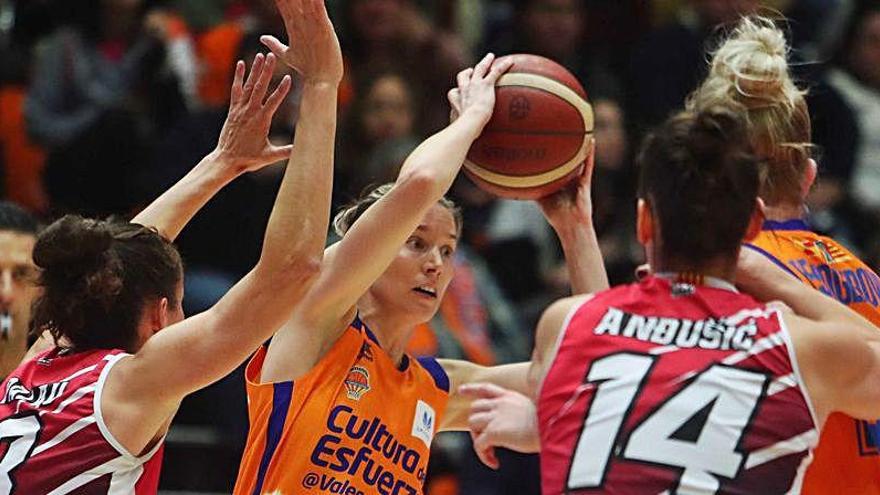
<point>392,331</point>
<point>722,268</point>
<point>783,212</point>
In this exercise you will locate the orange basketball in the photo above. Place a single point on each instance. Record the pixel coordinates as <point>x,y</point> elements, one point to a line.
<point>540,133</point>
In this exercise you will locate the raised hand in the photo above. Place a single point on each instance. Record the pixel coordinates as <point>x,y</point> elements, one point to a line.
<point>314,48</point>
<point>244,141</point>
<point>475,93</point>
<point>572,203</point>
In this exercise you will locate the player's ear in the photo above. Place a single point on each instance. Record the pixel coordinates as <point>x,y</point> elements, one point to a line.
<point>644,222</point>
<point>809,177</point>
<point>159,314</point>
<point>756,222</point>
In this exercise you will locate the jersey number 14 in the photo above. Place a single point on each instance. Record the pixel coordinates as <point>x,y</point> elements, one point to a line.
<point>697,430</point>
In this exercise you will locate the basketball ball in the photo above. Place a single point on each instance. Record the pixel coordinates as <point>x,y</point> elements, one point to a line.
<point>539,135</point>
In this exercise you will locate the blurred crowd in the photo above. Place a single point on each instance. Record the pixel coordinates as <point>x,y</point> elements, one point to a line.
<point>105,103</point>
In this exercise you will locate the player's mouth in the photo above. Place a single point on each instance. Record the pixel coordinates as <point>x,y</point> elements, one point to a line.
<point>426,291</point>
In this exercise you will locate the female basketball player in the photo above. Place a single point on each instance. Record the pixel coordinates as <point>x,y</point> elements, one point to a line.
<point>335,404</point>
<point>90,415</point>
<point>679,383</point>
<point>750,72</point>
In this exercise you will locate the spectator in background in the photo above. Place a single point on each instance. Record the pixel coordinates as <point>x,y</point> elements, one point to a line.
<point>670,62</point>
<point>394,35</point>
<point>556,29</point>
<point>614,188</point>
<point>103,86</point>
<point>218,46</point>
<point>855,81</point>
<point>379,135</point>
<point>18,233</point>
<point>22,22</point>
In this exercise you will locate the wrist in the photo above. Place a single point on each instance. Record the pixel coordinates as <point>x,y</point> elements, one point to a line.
<point>219,165</point>
<point>571,224</point>
<point>473,122</point>
<point>319,84</point>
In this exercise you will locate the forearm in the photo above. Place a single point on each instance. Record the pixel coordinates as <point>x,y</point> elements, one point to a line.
<point>171,211</point>
<point>774,284</point>
<point>440,156</point>
<point>586,268</point>
<point>299,221</point>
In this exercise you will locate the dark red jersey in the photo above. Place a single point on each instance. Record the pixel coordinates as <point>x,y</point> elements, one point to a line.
<point>664,387</point>
<point>53,439</point>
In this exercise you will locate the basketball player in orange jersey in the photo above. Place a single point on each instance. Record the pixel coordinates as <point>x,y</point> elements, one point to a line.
<point>679,383</point>
<point>335,404</point>
<point>90,415</point>
<point>750,71</point>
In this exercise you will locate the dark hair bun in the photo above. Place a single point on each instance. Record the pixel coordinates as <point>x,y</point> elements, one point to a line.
<point>717,132</point>
<point>73,245</point>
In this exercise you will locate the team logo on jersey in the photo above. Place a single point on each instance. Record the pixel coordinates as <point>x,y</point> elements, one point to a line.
<point>423,423</point>
<point>829,254</point>
<point>357,382</point>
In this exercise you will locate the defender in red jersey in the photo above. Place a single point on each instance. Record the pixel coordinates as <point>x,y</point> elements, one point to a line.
<point>680,384</point>
<point>89,416</point>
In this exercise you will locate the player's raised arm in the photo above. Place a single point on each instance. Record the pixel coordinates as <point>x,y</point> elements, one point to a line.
<point>243,147</point>
<point>372,242</point>
<point>191,354</point>
<point>570,213</point>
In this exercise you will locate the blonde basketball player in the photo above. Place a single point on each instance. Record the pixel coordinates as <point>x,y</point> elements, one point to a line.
<point>335,403</point>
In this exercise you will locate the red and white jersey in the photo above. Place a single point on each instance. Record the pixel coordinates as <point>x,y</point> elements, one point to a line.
<point>53,439</point>
<point>673,388</point>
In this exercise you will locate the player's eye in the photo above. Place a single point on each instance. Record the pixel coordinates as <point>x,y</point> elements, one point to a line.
<point>23,273</point>
<point>416,244</point>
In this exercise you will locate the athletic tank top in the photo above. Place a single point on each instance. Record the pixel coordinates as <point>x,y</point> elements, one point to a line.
<point>354,424</point>
<point>846,460</point>
<point>54,436</point>
<point>674,387</point>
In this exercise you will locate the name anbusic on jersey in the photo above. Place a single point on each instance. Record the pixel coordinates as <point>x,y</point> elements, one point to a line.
<point>42,395</point>
<point>713,334</point>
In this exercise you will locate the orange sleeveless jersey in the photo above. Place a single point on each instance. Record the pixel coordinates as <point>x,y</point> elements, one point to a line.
<point>846,460</point>
<point>355,424</point>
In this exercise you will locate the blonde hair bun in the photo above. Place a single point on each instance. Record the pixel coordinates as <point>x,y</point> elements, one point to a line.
<point>751,67</point>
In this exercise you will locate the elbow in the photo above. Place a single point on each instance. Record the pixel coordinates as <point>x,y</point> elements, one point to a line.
<point>290,271</point>
<point>421,183</point>
<point>303,270</point>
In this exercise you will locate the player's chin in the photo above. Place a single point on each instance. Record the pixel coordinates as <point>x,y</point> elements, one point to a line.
<point>423,306</point>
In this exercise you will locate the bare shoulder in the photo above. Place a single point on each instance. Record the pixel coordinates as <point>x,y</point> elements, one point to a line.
<point>551,324</point>
<point>834,362</point>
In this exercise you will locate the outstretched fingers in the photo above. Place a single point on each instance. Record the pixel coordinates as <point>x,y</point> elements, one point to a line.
<point>237,83</point>
<point>262,84</point>
<point>277,96</point>
<point>256,70</point>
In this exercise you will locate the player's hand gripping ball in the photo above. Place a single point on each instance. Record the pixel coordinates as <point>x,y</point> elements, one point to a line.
<point>539,135</point>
